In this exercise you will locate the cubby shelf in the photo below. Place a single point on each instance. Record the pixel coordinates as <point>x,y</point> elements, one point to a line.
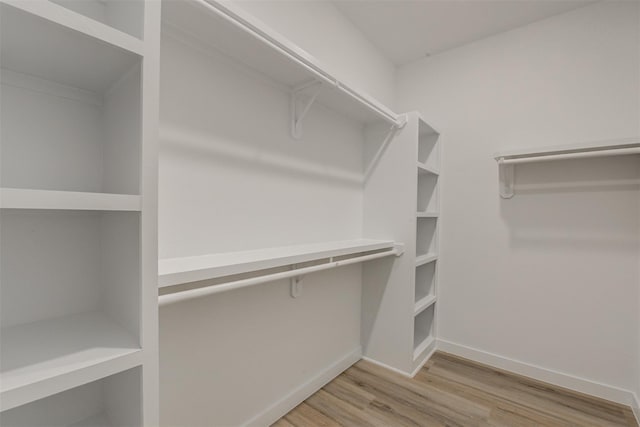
<point>422,347</point>
<point>230,30</point>
<point>423,168</point>
<point>174,271</point>
<point>426,258</point>
<point>63,46</point>
<point>19,198</point>
<point>422,214</point>
<point>423,304</point>
<point>49,356</point>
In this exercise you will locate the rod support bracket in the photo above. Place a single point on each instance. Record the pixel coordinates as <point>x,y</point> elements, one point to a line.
<point>399,248</point>
<point>301,101</point>
<point>295,284</point>
<point>506,177</point>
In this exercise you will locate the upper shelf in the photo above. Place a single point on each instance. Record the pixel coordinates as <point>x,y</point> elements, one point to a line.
<point>616,147</point>
<point>19,198</point>
<point>244,38</point>
<point>175,271</point>
<point>45,40</point>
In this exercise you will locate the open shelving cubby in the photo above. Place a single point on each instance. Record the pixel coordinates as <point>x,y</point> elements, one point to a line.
<point>71,264</point>
<point>114,400</point>
<point>423,331</point>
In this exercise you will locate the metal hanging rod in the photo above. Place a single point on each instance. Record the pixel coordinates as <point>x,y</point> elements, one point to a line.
<point>567,156</point>
<point>189,294</point>
<point>508,161</point>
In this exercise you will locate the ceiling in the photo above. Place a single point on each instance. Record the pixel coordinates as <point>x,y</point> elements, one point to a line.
<point>407,30</point>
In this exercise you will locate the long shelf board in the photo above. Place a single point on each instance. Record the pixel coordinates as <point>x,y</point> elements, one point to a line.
<point>423,303</point>
<point>424,169</point>
<point>569,149</point>
<point>425,259</point>
<point>18,198</point>
<point>45,40</point>
<point>175,271</point>
<point>423,214</point>
<point>423,346</point>
<point>50,356</point>
<point>229,29</point>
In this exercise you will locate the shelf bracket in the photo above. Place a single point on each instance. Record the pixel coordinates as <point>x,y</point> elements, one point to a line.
<point>295,283</point>
<point>301,102</point>
<point>506,177</point>
<point>391,133</point>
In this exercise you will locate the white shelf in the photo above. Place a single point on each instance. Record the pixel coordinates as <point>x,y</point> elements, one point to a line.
<point>588,147</point>
<point>426,258</point>
<point>233,32</point>
<point>422,214</point>
<point>423,168</point>
<point>424,345</point>
<point>49,356</point>
<point>74,21</point>
<point>43,39</point>
<point>423,304</point>
<point>174,271</point>
<point>17,198</point>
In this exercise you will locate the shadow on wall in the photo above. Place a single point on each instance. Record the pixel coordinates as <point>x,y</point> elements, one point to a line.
<point>578,205</point>
<point>375,280</point>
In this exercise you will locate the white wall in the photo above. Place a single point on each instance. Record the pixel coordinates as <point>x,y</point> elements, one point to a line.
<point>550,277</point>
<point>231,179</point>
<point>320,28</point>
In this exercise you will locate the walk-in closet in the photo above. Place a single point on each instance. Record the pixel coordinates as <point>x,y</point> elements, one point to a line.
<point>220,213</point>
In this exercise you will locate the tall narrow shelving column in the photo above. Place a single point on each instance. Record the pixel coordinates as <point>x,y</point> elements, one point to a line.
<point>427,218</point>
<point>401,204</point>
<point>78,255</point>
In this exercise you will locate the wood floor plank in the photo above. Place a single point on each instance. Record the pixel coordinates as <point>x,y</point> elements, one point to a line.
<point>516,389</point>
<point>306,416</point>
<point>283,422</point>
<point>402,414</point>
<point>450,391</point>
<point>346,414</point>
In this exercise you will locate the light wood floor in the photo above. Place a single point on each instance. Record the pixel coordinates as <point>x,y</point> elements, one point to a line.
<point>449,391</point>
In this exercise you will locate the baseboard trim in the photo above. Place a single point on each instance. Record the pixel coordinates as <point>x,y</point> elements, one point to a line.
<point>635,407</point>
<point>428,355</point>
<point>391,368</point>
<point>560,379</point>
<point>278,409</point>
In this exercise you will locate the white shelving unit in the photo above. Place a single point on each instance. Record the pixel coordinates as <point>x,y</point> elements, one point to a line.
<point>401,335</point>
<point>78,203</point>
<point>425,276</point>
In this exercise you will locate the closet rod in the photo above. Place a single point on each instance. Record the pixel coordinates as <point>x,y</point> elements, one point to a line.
<point>214,289</point>
<point>293,53</point>
<point>575,155</point>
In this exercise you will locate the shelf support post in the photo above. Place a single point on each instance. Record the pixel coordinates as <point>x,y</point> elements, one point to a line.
<point>300,109</point>
<point>506,177</point>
